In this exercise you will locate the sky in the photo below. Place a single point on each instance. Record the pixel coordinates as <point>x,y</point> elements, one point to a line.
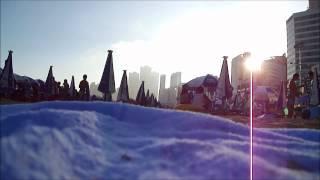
<point>170,36</point>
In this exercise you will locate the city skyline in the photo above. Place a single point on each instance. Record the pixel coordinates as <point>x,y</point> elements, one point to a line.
<point>74,36</point>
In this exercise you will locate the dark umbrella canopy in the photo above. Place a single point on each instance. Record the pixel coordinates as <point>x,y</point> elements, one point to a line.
<point>224,88</point>
<point>107,84</point>
<point>141,97</point>
<point>123,94</point>
<point>208,81</point>
<point>7,79</point>
<point>25,79</point>
<point>50,82</point>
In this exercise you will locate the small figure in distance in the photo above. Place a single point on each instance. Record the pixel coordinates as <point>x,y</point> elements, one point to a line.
<point>65,89</point>
<point>60,92</point>
<point>293,93</point>
<point>308,86</point>
<point>84,91</point>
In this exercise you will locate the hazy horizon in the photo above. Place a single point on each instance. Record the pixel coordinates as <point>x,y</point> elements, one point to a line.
<point>74,36</point>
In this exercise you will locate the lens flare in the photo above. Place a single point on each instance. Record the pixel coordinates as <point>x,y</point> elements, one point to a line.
<point>253,64</point>
<point>251,127</point>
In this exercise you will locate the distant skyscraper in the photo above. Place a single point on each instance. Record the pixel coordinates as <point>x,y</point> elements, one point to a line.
<point>162,88</point>
<point>162,81</point>
<point>154,89</point>
<point>170,96</point>
<point>175,80</point>
<point>94,90</point>
<point>303,40</point>
<point>151,79</point>
<point>273,72</point>
<point>163,96</point>
<point>134,84</point>
<point>145,72</point>
<point>239,74</point>
<point>145,75</point>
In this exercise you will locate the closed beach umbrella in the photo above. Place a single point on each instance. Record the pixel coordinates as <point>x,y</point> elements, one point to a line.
<point>141,97</point>
<point>107,84</point>
<point>72,88</point>
<point>49,84</point>
<point>224,88</point>
<point>123,94</point>
<point>7,80</point>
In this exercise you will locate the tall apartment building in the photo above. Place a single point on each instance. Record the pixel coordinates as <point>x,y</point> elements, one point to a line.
<point>239,74</point>
<point>273,72</point>
<point>151,80</point>
<point>303,40</point>
<point>175,80</point>
<point>170,96</point>
<point>134,84</point>
<point>162,94</point>
<point>155,83</point>
<point>162,81</point>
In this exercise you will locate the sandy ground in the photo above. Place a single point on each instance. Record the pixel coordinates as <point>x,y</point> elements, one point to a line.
<point>258,123</point>
<point>278,122</point>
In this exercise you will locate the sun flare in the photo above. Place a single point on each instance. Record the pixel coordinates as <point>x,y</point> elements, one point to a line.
<point>253,64</point>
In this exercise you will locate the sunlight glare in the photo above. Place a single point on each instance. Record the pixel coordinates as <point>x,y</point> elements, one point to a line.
<point>253,64</point>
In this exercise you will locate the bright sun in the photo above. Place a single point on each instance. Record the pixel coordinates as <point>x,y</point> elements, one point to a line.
<point>253,64</point>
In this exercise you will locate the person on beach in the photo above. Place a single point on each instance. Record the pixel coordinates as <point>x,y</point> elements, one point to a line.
<point>65,89</point>
<point>84,89</point>
<point>293,93</point>
<point>308,86</point>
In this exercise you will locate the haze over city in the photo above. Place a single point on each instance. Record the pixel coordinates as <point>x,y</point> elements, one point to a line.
<point>189,37</point>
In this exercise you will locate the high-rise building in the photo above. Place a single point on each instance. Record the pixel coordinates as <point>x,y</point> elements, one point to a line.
<point>151,80</point>
<point>145,72</point>
<point>163,97</point>
<point>175,80</point>
<point>162,81</point>
<point>145,75</point>
<point>134,84</point>
<point>170,96</point>
<point>273,72</point>
<point>162,89</point>
<point>154,89</point>
<point>239,74</point>
<point>94,90</point>
<point>303,40</point>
